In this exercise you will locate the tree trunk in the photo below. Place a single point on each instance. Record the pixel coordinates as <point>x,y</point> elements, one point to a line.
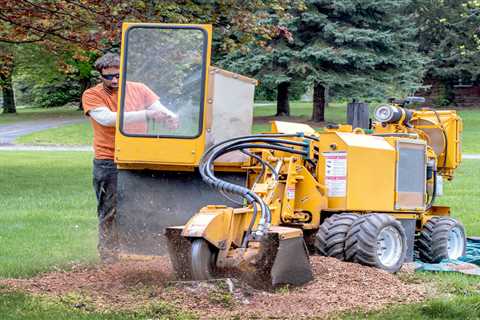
<point>150,10</point>
<point>8,95</point>
<point>327,97</point>
<point>319,102</point>
<point>283,105</point>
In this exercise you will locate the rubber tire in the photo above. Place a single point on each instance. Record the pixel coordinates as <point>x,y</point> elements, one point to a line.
<point>203,260</point>
<point>432,243</point>
<point>361,243</point>
<point>331,236</point>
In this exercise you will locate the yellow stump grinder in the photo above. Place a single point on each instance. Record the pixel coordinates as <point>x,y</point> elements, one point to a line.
<point>218,199</point>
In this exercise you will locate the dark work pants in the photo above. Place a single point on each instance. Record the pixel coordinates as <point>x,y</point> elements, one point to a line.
<point>105,185</point>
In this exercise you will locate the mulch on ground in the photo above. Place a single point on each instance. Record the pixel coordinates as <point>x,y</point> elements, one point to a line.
<point>338,286</point>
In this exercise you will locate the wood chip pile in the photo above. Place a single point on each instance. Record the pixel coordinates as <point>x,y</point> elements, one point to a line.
<point>338,286</point>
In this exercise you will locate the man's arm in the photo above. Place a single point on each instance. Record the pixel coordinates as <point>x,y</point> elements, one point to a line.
<point>108,118</point>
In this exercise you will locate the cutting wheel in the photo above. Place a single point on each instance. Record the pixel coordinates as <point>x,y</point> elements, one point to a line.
<point>203,260</point>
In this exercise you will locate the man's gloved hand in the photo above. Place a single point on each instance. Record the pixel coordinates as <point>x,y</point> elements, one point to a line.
<point>170,118</point>
<point>172,122</point>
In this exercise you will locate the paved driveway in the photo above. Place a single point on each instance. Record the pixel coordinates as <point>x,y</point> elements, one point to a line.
<point>10,132</point>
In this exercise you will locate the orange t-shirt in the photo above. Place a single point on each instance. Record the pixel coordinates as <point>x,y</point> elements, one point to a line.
<point>138,97</point>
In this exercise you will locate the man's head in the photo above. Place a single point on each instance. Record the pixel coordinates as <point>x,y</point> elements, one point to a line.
<point>109,67</point>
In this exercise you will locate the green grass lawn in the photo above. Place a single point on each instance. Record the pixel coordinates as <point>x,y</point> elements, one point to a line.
<point>47,212</point>
<point>16,305</point>
<point>29,114</point>
<point>81,134</point>
<point>48,221</point>
<point>73,134</point>
<point>336,113</point>
<point>452,308</point>
<point>458,297</point>
<point>463,195</point>
<point>471,130</point>
<point>299,112</point>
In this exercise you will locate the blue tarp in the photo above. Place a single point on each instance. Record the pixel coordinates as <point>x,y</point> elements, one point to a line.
<point>468,264</point>
<point>472,254</point>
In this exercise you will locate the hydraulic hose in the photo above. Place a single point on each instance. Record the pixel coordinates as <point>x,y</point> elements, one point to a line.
<point>250,227</point>
<point>259,176</point>
<point>434,193</point>
<point>230,187</point>
<point>268,135</point>
<point>260,160</point>
<point>269,141</point>
<point>272,135</point>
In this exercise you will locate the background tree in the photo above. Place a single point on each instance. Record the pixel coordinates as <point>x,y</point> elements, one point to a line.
<point>268,59</point>
<point>44,79</point>
<point>7,63</point>
<point>449,34</point>
<point>61,28</point>
<point>278,56</point>
<point>355,48</point>
<point>268,62</point>
<point>81,29</point>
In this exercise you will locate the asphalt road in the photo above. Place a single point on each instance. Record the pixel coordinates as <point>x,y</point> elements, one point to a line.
<point>10,132</point>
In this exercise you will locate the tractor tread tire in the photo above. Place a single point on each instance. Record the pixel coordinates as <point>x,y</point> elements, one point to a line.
<point>330,238</point>
<point>432,243</point>
<point>361,243</point>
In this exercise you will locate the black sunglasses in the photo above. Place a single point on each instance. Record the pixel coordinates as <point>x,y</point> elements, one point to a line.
<point>110,76</point>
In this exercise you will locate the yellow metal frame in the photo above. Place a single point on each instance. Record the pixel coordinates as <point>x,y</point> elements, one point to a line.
<point>445,120</point>
<point>160,153</point>
<point>299,198</point>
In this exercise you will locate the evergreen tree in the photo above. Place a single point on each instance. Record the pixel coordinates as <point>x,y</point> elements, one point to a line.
<point>355,47</point>
<point>269,58</point>
<point>449,35</point>
<point>270,66</point>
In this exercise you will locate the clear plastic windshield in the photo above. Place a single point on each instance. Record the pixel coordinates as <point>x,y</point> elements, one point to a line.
<point>162,87</point>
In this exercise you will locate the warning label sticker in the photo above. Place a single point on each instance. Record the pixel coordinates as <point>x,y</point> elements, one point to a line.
<point>336,173</point>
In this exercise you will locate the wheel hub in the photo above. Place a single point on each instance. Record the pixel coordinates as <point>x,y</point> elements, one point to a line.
<point>389,246</point>
<point>455,243</point>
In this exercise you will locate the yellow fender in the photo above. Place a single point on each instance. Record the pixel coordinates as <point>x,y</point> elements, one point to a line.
<point>212,223</point>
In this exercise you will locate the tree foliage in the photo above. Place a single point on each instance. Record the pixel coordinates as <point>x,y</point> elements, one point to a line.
<point>79,30</point>
<point>96,25</point>
<point>357,48</point>
<point>449,34</point>
<point>38,78</point>
<point>270,60</point>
